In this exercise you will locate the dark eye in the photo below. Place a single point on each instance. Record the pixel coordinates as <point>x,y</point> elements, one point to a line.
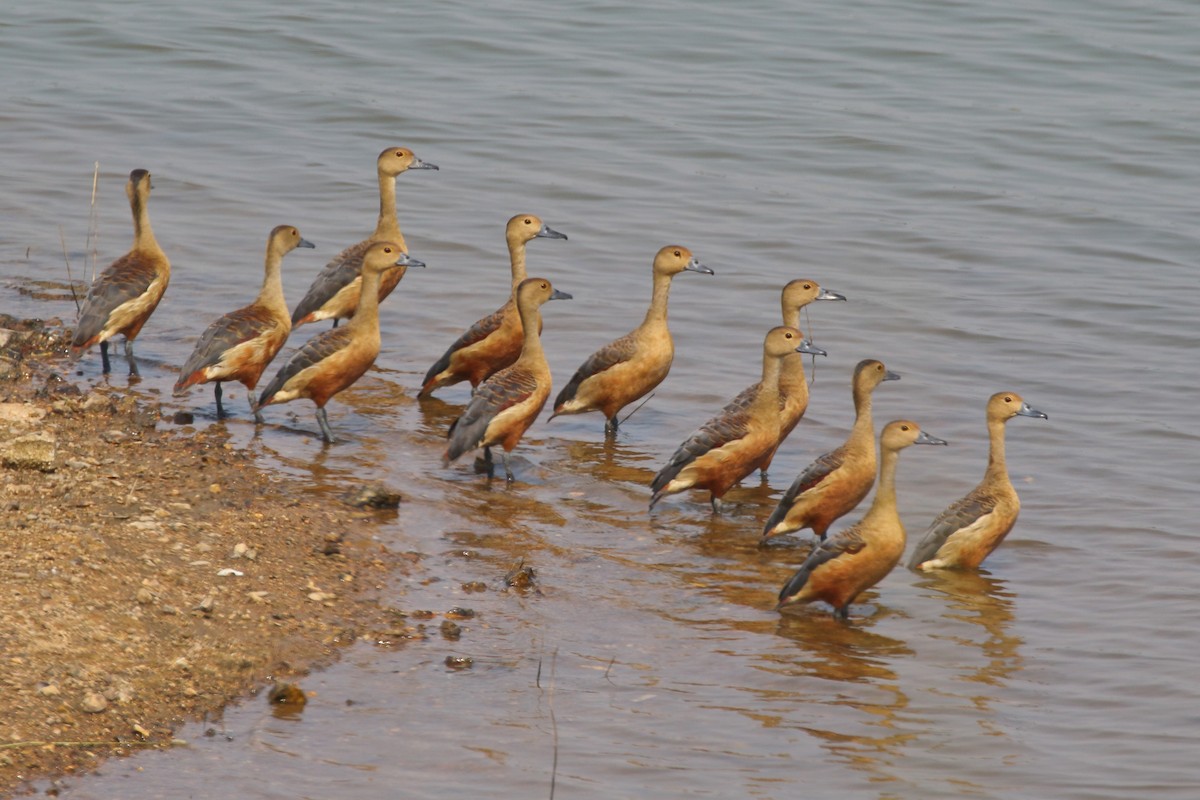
<point>528,221</point>
<point>808,286</point>
<point>387,249</point>
<point>903,427</point>
<point>1008,399</point>
<point>788,334</point>
<point>678,254</point>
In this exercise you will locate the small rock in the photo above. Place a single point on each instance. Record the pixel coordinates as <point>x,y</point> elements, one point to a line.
<point>451,630</point>
<point>459,662</point>
<point>374,495</point>
<point>114,436</point>
<point>49,690</point>
<point>287,694</point>
<point>183,418</point>
<point>145,596</point>
<point>460,613</point>
<point>31,451</point>
<point>205,606</point>
<point>93,703</point>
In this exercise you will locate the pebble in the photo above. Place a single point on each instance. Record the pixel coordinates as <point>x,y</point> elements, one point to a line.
<point>93,703</point>
<point>114,436</point>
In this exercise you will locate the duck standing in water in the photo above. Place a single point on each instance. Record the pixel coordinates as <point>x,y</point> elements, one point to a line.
<point>335,292</point>
<point>506,404</point>
<point>126,293</point>
<point>240,345</point>
<point>836,482</point>
<point>495,341</point>
<point>793,385</point>
<point>727,447</point>
<point>966,533</point>
<point>630,367</point>
<point>334,359</point>
<point>855,559</point>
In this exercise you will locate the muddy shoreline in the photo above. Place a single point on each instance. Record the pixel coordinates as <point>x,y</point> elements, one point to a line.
<point>153,573</point>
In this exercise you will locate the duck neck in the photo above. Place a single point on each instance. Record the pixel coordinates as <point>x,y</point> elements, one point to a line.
<point>657,313</point>
<point>367,315</point>
<point>767,400</point>
<point>271,293</point>
<point>997,467</point>
<point>143,234</point>
<point>531,324</point>
<point>516,259</point>
<point>884,503</point>
<point>864,426</point>
<point>387,229</point>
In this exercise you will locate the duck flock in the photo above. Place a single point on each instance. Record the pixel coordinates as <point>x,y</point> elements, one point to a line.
<point>501,356</point>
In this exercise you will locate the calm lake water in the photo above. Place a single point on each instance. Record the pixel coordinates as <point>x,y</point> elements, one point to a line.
<point>1006,193</point>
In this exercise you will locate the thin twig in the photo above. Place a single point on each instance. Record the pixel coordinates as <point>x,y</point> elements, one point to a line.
<point>608,669</point>
<point>553,722</point>
<point>70,279</point>
<point>93,231</point>
<point>635,410</point>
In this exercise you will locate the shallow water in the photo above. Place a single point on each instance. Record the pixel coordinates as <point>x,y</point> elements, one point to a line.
<point>1006,195</point>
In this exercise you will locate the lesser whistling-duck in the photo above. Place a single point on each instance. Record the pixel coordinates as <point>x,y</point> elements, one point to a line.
<point>837,481</point>
<point>495,341</point>
<point>334,359</point>
<point>126,293</point>
<point>855,559</point>
<point>727,447</point>
<point>334,293</point>
<point>963,535</point>
<point>793,385</point>
<point>506,404</point>
<point>628,368</point>
<point>239,345</point>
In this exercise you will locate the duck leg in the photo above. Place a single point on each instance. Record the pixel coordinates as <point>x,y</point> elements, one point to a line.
<point>716,504</point>
<point>255,407</point>
<point>105,366</point>
<point>326,432</point>
<point>217,395</point>
<point>610,426</point>
<point>507,470</point>
<point>133,367</point>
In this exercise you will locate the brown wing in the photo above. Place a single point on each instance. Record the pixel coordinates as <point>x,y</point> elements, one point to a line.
<point>728,426</point>
<point>335,276</point>
<point>960,514</point>
<point>816,472</point>
<point>476,333</point>
<point>505,389</point>
<point>845,542</point>
<point>226,333</point>
<point>125,279</point>
<point>607,357</point>
<point>315,350</point>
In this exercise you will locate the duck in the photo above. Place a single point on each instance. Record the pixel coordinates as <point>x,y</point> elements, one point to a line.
<point>335,292</point>
<point>629,368</point>
<point>853,560</point>
<point>726,448</point>
<point>836,482</point>
<point>793,385</point>
<point>126,293</point>
<point>504,406</point>
<point>334,359</point>
<point>495,341</point>
<point>240,345</point>
<point>967,532</point>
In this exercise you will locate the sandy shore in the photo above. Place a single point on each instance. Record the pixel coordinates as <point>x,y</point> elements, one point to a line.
<point>151,573</point>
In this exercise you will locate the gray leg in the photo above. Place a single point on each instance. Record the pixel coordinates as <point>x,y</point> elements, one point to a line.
<point>255,407</point>
<point>217,394</point>
<point>105,366</point>
<point>326,433</point>
<point>507,470</point>
<point>133,370</point>
<point>610,426</point>
<point>716,504</point>
<point>335,322</point>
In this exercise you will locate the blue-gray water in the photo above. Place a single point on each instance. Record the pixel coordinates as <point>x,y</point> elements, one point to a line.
<point>1006,193</point>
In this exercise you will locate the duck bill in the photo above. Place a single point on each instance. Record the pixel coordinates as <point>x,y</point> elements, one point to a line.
<point>1026,411</point>
<point>825,294</point>
<point>925,438</point>
<point>809,348</point>
<point>696,266</point>
<point>549,233</point>
<point>557,295</point>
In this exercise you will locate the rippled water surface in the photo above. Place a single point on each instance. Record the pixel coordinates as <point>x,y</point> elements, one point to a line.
<point>1007,195</point>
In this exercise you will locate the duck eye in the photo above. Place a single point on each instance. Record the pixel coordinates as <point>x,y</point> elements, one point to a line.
<point>678,254</point>
<point>808,286</point>
<point>903,427</point>
<point>1008,399</point>
<point>528,221</point>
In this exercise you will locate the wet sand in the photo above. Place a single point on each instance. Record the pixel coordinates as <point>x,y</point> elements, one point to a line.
<point>152,573</point>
